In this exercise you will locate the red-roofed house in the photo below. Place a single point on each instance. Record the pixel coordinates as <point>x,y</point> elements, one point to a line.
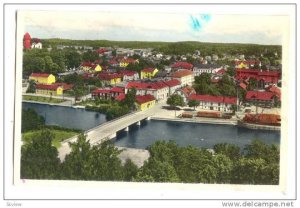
<point>260,98</point>
<point>52,89</point>
<point>42,78</point>
<point>185,76</point>
<point>246,64</point>
<point>182,65</point>
<point>36,43</point>
<point>108,93</point>
<point>129,75</point>
<point>145,102</point>
<point>159,90</point>
<point>89,66</point>
<point>217,103</point>
<point>173,85</point>
<point>263,77</point>
<point>125,62</point>
<point>185,93</point>
<point>110,78</point>
<point>148,73</point>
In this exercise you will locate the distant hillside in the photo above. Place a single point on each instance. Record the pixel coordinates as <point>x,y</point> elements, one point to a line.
<point>177,48</point>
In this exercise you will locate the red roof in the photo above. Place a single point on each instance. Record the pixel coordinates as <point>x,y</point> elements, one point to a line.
<point>148,70</point>
<point>257,95</point>
<point>128,73</point>
<point>112,62</point>
<point>249,62</point>
<point>54,86</point>
<point>211,98</point>
<point>221,71</point>
<point>184,65</point>
<point>243,85</point>
<point>39,75</point>
<point>140,99</point>
<point>104,91</point>
<point>188,91</point>
<point>120,97</point>
<point>117,89</point>
<point>36,40</point>
<point>107,76</point>
<point>102,50</point>
<point>128,60</point>
<point>145,85</point>
<point>182,73</point>
<point>173,82</point>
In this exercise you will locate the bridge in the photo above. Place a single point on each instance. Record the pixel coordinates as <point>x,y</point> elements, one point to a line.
<point>108,130</point>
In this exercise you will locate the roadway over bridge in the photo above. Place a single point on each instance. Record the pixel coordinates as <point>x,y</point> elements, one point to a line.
<point>109,129</point>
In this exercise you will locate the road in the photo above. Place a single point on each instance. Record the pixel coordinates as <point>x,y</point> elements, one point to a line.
<point>109,129</point>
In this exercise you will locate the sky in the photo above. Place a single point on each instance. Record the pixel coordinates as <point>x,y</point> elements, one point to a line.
<point>156,26</point>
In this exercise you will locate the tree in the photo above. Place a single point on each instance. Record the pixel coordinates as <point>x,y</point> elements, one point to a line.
<point>73,59</point>
<point>258,149</point>
<point>130,170</point>
<point>175,100</point>
<point>157,171</point>
<point>90,56</point>
<point>98,162</point>
<point>31,120</point>
<point>39,159</point>
<point>230,150</point>
<point>195,165</point>
<point>193,103</point>
<point>250,171</point>
<point>129,100</point>
<point>31,87</point>
<point>223,166</point>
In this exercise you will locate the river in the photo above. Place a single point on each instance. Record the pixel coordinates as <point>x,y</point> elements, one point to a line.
<point>196,134</point>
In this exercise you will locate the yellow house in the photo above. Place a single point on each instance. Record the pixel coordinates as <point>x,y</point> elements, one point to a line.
<point>125,62</point>
<point>52,89</point>
<point>148,73</point>
<point>145,102</point>
<point>110,79</point>
<point>242,65</point>
<point>89,66</point>
<point>42,78</point>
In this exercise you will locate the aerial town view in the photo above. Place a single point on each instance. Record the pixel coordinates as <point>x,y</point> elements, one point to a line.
<point>141,104</point>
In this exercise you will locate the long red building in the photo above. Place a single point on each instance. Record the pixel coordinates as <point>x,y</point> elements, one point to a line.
<point>264,77</point>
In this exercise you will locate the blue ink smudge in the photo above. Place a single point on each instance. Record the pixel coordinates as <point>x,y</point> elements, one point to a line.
<point>206,17</point>
<point>197,22</point>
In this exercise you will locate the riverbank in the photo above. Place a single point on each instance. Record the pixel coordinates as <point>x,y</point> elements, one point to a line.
<point>198,120</point>
<point>258,126</point>
<point>67,103</point>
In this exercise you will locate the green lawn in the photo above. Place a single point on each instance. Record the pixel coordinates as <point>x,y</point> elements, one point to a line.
<point>42,99</point>
<point>59,135</point>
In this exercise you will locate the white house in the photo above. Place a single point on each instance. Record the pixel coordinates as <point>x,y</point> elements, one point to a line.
<point>216,103</point>
<point>173,85</point>
<point>206,68</point>
<point>185,76</point>
<point>37,45</point>
<point>158,89</point>
<point>129,75</point>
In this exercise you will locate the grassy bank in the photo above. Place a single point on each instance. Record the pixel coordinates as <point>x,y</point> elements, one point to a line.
<point>42,99</point>
<point>59,135</point>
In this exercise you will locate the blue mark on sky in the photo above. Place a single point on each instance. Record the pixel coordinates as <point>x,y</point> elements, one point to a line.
<point>197,22</point>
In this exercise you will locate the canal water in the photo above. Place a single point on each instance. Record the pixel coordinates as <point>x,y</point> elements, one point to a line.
<point>196,134</point>
<point>76,118</point>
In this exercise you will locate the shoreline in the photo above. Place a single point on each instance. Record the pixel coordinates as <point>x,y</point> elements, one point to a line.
<point>54,104</point>
<point>205,120</point>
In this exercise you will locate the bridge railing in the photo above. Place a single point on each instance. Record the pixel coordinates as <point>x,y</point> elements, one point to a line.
<point>109,122</point>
